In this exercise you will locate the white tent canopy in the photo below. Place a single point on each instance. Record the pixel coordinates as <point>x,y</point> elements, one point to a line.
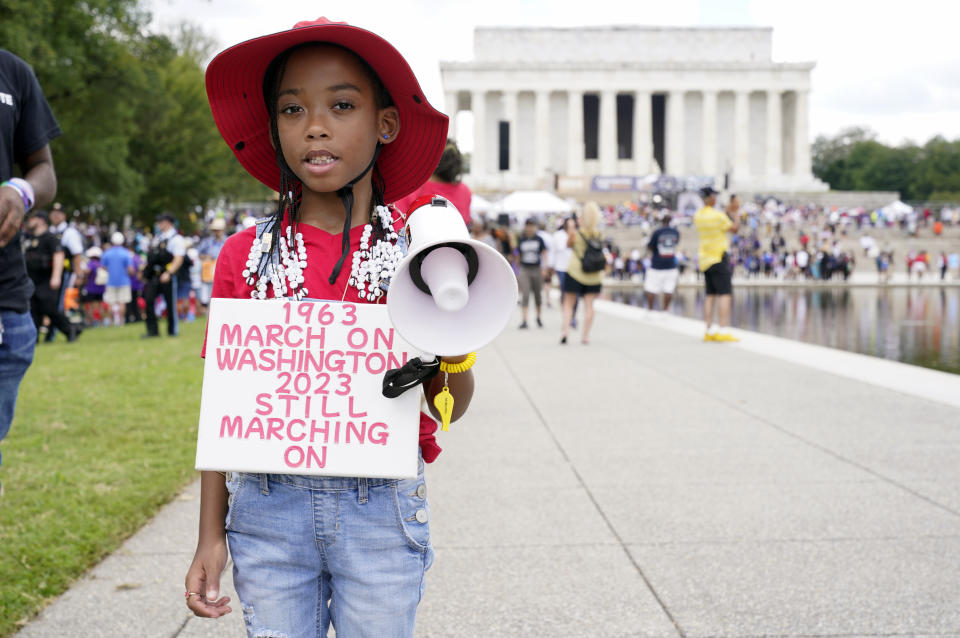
<point>480,206</point>
<point>896,210</point>
<point>523,204</point>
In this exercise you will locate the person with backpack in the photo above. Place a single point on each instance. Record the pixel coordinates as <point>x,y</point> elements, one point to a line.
<point>584,271</point>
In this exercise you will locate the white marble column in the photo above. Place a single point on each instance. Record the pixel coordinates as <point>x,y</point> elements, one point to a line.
<point>478,160</point>
<point>801,143</point>
<point>608,132</point>
<point>642,133</point>
<point>741,135</point>
<point>575,133</point>
<point>510,115</point>
<point>675,142</point>
<point>542,127</point>
<point>708,144</point>
<point>451,106</point>
<point>774,133</point>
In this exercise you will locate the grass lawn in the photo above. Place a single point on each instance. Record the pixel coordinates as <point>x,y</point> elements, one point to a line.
<point>104,434</point>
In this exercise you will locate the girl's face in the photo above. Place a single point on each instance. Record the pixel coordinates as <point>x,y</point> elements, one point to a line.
<point>328,119</point>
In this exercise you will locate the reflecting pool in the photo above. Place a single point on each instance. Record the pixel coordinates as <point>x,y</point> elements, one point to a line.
<point>919,325</point>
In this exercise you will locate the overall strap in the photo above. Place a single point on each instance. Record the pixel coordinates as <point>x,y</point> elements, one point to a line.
<point>264,225</point>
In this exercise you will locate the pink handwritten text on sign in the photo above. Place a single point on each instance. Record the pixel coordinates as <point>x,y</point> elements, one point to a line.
<point>294,387</point>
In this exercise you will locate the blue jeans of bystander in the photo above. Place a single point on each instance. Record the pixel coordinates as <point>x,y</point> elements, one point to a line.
<point>16,355</point>
<point>310,551</point>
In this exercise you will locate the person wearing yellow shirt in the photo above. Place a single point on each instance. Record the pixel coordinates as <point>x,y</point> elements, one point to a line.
<point>713,227</point>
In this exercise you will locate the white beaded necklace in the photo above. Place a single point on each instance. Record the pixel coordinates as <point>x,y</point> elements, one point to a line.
<point>373,267</point>
<point>371,271</point>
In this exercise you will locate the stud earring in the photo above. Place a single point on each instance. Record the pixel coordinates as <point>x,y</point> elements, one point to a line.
<point>385,136</point>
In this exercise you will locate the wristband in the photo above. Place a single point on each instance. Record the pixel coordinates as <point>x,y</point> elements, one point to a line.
<point>23,187</point>
<point>457,368</point>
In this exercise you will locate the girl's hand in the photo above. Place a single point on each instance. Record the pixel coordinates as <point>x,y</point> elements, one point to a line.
<point>203,581</point>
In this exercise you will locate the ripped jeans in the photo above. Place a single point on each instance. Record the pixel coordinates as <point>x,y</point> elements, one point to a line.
<point>310,551</point>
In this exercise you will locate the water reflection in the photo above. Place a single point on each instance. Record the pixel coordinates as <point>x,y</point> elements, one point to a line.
<point>914,325</point>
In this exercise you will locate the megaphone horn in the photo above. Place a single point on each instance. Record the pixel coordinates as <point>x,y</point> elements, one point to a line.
<point>450,294</point>
<point>443,263</point>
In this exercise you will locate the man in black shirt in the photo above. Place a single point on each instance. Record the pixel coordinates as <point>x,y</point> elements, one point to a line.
<point>662,276</point>
<point>26,127</point>
<point>532,251</point>
<point>72,243</point>
<point>45,258</point>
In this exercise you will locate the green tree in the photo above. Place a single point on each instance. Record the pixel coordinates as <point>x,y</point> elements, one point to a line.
<point>938,168</point>
<point>854,160</point>
<point>871,165</point>
<point>829,156</point>
<point>178,149</point>
<point>138,134</point>
<point>173,148</point>
<point>81,54</point>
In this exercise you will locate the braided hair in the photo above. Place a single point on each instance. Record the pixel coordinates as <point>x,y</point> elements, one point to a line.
<point>291,188</point>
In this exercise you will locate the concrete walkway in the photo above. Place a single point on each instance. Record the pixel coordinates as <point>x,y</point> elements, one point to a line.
<point>648,484</point>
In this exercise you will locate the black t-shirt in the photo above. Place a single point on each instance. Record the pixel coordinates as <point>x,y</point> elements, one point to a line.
<point>663,243</point>
<point>38,254</point>
<point>26,125</point>
<point>531,249</point>
<point>183,272</point>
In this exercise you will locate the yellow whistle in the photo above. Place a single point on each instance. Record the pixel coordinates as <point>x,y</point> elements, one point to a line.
<point>444,404</point>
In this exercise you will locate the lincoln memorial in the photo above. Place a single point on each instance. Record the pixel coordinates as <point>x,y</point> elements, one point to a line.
<point>579,107</point>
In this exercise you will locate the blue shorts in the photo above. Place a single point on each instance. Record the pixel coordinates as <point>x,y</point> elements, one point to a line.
<point>313,551</point>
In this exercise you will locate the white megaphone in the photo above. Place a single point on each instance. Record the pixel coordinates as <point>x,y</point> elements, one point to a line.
<point>450,294</point>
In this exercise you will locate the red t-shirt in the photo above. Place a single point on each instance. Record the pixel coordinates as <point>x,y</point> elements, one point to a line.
<point>458,194</point>
<point>323,251</point>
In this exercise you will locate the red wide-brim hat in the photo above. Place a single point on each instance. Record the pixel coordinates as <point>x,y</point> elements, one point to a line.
<point>235,91</point>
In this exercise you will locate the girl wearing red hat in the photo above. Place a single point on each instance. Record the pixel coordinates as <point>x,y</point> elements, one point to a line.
<point>332,117</point>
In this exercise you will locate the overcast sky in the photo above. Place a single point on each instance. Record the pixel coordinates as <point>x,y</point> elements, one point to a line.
<point>893,66</point>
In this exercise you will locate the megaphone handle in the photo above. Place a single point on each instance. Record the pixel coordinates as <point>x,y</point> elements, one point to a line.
<point>411,374</point>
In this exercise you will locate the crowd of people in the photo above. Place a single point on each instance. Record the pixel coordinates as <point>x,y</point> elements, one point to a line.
<point>85,275</point>
<point>769,212</point>
<point>762,242</point>
<point>571,252</point>
<point>108,275</point>
<point>782,243</point>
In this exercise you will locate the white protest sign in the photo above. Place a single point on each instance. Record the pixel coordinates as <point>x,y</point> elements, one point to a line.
<point>294,387</point>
